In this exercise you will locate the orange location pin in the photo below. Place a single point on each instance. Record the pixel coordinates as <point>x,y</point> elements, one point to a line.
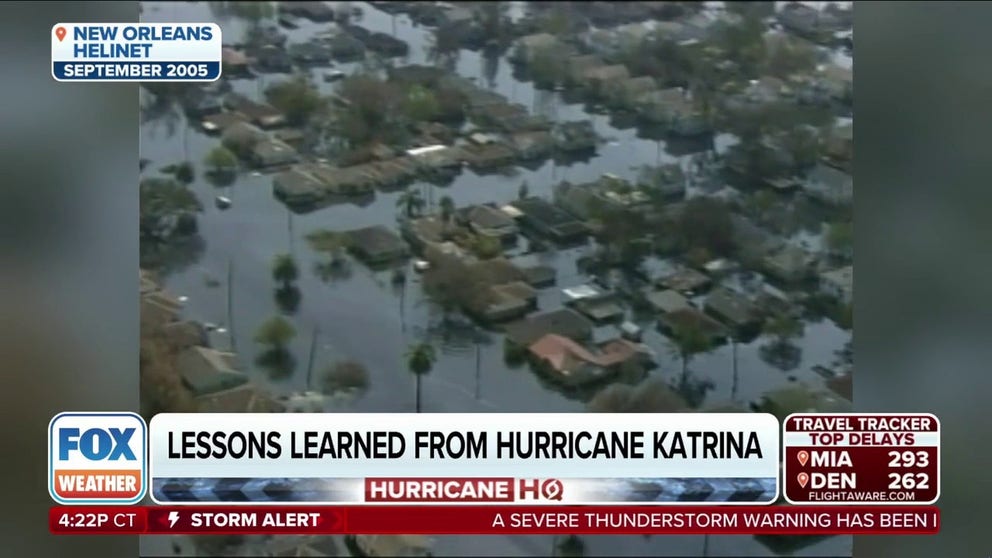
<point>803,478</point>
<point>60,33</point>
<point>803,457</point>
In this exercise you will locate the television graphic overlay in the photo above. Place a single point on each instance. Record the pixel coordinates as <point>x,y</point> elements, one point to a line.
<point>97,458</point>
<point>136,52</point>
<point>449,459</point>
<point>859,459</point>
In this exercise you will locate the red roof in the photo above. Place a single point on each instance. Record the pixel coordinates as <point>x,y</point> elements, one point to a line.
<point>562,353</point>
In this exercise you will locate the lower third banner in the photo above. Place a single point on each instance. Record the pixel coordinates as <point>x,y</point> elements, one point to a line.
<point>492,520</point>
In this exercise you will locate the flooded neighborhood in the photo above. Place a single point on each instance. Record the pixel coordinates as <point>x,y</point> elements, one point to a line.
<point>502,207</point>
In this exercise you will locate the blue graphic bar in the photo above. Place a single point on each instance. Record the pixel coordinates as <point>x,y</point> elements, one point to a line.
<point>139,70</point>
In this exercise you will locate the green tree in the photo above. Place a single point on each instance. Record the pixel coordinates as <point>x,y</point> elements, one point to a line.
<point>445,46</point>
<point>372,109</point>
<point>744,44</point>
<point>184,172</point>
<point>687,341</point>
<point>447,206</point>
<point>420,359</point>
<point>275,333</point>
<point>421,105</point>
<point>296,98</point>
<point>784,329</point>
<point>706,223</point>
<point>547,66</point>
<point>166,208</point>
<point>411,202</point>
<point>840,238</point>
<point>221,160</point>
<point>790,57</point>
<point>346,375</point>
<point>284,269</point>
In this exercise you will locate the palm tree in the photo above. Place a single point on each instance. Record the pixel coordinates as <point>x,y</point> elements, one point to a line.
<point>284,269</point>
<point>420,358</point>
<point>411,201</point>
<point>688,340</point>
<point>447,209</point>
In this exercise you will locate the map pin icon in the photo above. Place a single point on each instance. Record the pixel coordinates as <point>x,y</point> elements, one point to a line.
<point>803,457</point>
<point>60,33</point>
<point>803,478</point>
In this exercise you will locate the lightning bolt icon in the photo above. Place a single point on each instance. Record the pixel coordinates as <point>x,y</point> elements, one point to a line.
<point>173,518</point>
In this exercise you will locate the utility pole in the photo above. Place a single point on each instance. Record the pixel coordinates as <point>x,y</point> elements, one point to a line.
<point>230,305</point>
<point>310,360</point>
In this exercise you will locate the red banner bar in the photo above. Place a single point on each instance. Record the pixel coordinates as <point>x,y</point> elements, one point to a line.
<point>491,520</point>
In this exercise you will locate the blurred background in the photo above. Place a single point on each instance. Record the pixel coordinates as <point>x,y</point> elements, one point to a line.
<point>69,251</point>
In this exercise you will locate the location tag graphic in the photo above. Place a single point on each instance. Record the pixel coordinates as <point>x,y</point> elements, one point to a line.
<point>803,457</point>
<point>803,478</point>
<point>60,33</point>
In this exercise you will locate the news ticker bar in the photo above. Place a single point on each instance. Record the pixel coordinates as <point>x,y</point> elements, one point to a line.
<point>491,520</point>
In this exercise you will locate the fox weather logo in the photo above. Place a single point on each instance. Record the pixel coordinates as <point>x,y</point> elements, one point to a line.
<point>97,458</point>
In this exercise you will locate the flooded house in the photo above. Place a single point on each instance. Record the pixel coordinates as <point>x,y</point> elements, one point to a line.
<point>836,81</point>
<point>624,93</point>
<point>577,199</point>
<point>488,221</point>
<point>345,47</point>
<point>527,47</point>
<point>838,284</point>
<point>839,147</point>
<point>540,276</point>
<point>666,301</point>
<point>735,310</point>
<point>687,281</point>
<point>273,59</point>
<point>241,138</point>
<point>349,181</point>
<point>550,221</point>
<point>753,243</point>
<point>217,123</point>
<point>507,301</point>
<point>532,145</point>
<point>670,323</point>
<point>597,305</point>
<point>205,371</point>
<point>488,157</point>
<point>576,66</point>
<point>564,322</point>
<point>790,264</point>
<point>310,53</point>
<point>668,181</point>
<point>263,115</point>
<point>376,245</point>
<point>314,11</point>
<point>759,93</point>
<point>809,22</point>
<point>246,398</point>
<point>235,63</point>
<point>829,185</point>
<point>674,109</point>
<point>579,135</point>
<point>595,80</point>
<point>297,188</point>
<point>574,364</point>
<point>271,152</point>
